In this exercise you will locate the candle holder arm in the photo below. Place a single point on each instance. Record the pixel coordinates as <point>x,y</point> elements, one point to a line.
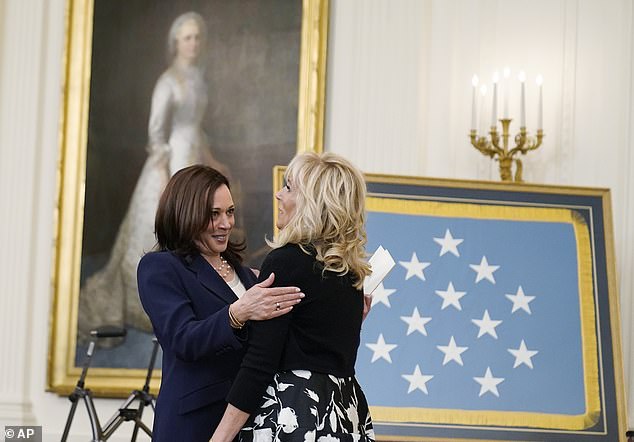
<point>486,147</point>
<point>525,143</point>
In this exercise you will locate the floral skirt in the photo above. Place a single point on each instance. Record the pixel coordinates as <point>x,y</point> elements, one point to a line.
<point>310,407</point>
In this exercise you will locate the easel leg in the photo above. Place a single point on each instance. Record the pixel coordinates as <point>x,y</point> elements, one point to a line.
<point>137,422</point>
<point>69,420</point>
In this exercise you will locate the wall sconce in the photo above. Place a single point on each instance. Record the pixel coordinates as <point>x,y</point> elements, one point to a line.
<point>496,145</point>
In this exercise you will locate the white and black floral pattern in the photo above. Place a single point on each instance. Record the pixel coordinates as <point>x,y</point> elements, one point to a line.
<point>306,406</point>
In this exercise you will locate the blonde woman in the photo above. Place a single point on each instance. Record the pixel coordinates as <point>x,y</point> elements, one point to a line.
<point>296,381</point>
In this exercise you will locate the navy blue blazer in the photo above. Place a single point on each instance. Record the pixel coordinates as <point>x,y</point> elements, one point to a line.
<point>188,303</point>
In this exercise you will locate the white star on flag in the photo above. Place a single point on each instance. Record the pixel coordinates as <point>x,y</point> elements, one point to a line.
<point>523,355</point>
<point>416,322</point>
<point>381,294</point>
<point>485,271</point>
<point>488,383</point>
<point>450,297</point>
<point>452,352</point>
<point>487,325</point>
<point>381,349</point>
<point>414,267</point>
<point>449,244</point>
<point>417,380</point>
<point>520,301</point>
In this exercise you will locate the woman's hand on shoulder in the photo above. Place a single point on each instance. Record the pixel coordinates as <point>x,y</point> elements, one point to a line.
<point>263,302</point>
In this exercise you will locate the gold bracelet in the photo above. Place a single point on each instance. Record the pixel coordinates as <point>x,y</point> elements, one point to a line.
<point>236,324</point>
<point>233,321</point>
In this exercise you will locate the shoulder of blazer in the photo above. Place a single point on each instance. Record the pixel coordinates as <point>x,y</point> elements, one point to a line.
<point>289,256</point>
<point>162,259</point>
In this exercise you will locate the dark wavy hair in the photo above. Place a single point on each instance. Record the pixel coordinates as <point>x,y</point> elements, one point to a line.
<point>185,210</point>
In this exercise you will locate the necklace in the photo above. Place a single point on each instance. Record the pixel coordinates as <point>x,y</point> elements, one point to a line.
<point>224,269</point>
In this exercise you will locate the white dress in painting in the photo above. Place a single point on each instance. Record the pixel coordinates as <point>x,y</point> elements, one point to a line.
<point>176,140</point>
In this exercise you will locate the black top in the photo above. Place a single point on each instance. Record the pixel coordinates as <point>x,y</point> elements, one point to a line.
<point>320,334</point>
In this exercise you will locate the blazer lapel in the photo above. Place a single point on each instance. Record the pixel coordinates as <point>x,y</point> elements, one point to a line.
<point>208,277</point>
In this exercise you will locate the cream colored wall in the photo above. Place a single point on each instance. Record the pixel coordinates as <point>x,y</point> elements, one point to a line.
<point>398,102</point>
<point>399,97</point>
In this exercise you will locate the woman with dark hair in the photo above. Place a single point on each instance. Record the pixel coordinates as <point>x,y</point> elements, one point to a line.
<point>199,296</point>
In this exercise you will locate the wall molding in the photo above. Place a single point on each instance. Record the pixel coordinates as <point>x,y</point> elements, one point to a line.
<point>21,91</point>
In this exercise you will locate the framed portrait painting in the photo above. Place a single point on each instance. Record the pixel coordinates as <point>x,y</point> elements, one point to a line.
<point>138,105</point>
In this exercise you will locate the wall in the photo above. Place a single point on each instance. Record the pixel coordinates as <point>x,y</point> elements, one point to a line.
<point>399,98</point>
<point>398,102</point>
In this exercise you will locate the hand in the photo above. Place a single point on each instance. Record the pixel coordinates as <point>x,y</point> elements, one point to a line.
<point>367,305</point>
<point>263,302</point>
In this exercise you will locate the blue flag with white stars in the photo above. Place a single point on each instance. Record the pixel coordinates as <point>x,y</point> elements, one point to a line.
<point>486,317</point>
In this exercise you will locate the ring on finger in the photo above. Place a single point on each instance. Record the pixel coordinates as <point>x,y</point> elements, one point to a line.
<point>277,306</point>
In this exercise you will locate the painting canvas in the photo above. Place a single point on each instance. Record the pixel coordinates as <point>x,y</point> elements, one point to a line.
<point>137,107</point>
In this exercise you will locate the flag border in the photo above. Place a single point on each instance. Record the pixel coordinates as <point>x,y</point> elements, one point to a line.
<point>586,306</point>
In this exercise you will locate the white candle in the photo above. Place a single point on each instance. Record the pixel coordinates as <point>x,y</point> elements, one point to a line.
<point>494,106</point>
<point>507,91</point>
<point>481,123</point>
<point>540,103</point>
<point>522,78</point>
<point>474,82</point>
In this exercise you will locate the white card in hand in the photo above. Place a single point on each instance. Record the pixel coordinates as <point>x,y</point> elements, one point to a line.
<point>381,263</point>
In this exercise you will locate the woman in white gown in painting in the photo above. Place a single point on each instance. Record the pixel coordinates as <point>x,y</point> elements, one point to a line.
<point>176,140</point>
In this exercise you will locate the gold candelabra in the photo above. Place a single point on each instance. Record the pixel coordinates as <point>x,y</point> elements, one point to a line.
<point>501,153</point>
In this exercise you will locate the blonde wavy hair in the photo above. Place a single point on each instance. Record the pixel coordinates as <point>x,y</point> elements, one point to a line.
<point>329,213</point>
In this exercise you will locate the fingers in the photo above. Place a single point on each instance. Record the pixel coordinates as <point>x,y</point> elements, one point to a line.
<point>281,291</point>
<point>282,311</point>
<point>282,304</point>
<point>272,310</point>
<point>280,308</point>
<point>283,300</point>
<point>293,298</point>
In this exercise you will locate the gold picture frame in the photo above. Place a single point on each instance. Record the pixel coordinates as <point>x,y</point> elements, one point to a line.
<point>63,367</point>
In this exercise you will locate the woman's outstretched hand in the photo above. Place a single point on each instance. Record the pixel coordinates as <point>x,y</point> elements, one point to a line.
<point>262,301</point>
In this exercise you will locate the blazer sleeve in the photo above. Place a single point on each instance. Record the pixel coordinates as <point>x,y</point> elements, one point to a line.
<point>165,298</point>
<point>266,344</point>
